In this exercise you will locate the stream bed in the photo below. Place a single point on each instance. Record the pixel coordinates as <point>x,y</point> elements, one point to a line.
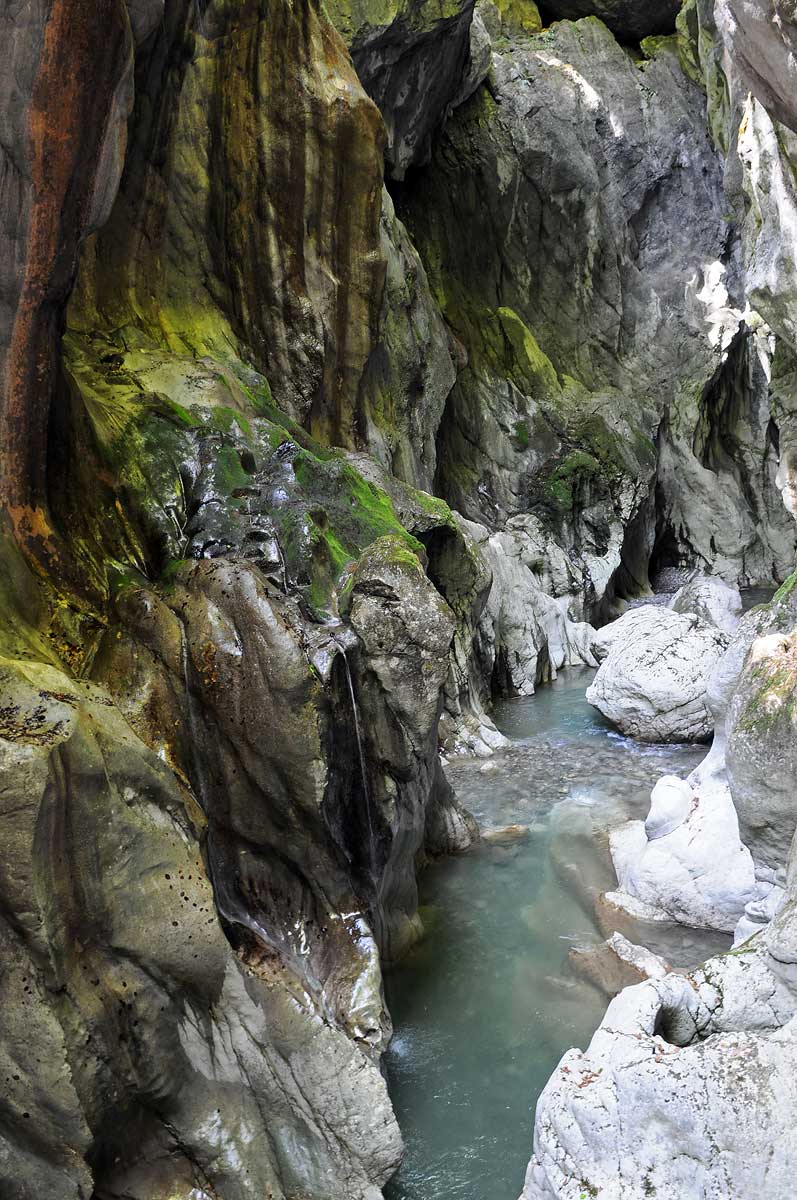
<point>487,1003</point>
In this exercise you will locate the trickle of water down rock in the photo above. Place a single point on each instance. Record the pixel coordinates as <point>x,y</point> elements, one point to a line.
<point>398,482</point>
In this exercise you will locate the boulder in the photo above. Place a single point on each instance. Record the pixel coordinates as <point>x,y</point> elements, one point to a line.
<point>686,862</point>
<point>711,599</point>
<point>616,964</point>
<point>686,1089</point>
<point>652,682</point>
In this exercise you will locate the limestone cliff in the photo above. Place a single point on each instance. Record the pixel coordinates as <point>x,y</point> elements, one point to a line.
<point>352,359</point>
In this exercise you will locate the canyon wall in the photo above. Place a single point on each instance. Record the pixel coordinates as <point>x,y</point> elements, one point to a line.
<point>352,359</point>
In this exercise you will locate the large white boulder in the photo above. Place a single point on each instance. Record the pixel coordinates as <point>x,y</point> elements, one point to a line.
<point>686,863</point>
<point>688,1089</point>
<point>711,599</point>
<point>652,681</point>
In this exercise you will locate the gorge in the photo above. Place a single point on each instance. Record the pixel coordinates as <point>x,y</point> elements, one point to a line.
<point>375,379</point>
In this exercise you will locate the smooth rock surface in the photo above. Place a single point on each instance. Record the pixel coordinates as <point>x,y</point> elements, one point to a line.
<point>762,747</point>
<point>143,1014</point>
<point>652,682</point>
<point>712,600</point>
<point>694,869</point>
<point>660,1102</point>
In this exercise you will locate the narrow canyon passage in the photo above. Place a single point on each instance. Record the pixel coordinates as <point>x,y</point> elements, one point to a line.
<point>487,1004</point>
<point>361,366</point>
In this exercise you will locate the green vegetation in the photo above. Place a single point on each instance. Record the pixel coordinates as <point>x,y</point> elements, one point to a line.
<point>569,477</point>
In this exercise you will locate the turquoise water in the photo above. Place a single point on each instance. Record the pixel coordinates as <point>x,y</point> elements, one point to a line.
<point>486,1005</point>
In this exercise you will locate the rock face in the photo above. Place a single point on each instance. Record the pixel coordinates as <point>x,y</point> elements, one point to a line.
<point>292,284</point>
<point>235,634</point>
<point>269,651</point>
<point>616,964</point>
<point>686,862</point>
<point>655,1084</point>
<point>61,155</point>
<point>413,58</point>
<point>629,20</point>
<point>143,1014</point>
<point>652,683</point>
<point>577,391</point>
<point>525,634</point>
<point>762,35</point>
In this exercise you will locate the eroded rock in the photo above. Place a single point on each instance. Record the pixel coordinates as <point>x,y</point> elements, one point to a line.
<point>652,683</point>
<point>144,1015</point>
<point>616,964</point>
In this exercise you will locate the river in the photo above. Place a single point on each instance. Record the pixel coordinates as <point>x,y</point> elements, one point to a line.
<point>487,1003</point>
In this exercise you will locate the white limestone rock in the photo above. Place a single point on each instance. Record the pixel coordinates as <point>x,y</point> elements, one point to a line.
<point>686,863</point>
<point>652,682</point>
<point>687,1089</point>
<point>526,632</point>
<point>711,599</point>
<point>758,914</point>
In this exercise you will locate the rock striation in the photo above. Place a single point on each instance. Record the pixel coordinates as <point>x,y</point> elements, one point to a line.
<point>300,469</point>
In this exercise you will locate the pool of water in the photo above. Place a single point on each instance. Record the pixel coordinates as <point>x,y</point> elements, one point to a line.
<point>486,1004</point>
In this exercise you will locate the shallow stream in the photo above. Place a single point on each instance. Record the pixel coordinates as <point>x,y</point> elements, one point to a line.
<point>486,1005</point>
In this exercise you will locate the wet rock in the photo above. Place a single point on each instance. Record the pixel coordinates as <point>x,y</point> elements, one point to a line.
<point>144,1015</point>
<point>509,835</point>
<point>652,682</point>
<point>616,964</point>
<point>291,285</point>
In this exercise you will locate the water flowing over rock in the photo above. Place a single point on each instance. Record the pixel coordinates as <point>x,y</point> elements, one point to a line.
<point>686,862</point>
